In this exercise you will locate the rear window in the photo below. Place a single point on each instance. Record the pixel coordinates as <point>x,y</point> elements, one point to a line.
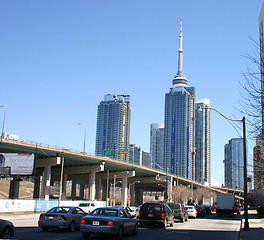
<point>59,210</point>
<point>151,206</point>
<point>174,206</point>
<point>105,212</point>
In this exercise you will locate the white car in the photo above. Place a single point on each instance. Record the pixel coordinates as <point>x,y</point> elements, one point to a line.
<point>191,210</point>
<point>88,206</point>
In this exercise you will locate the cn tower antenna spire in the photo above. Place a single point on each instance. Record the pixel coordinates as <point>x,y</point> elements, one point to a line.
<point>180,80</point>
<point>180,51</point>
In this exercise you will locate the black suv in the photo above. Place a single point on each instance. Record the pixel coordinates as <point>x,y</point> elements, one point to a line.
<point>179,211</point>
<point>156,213</point>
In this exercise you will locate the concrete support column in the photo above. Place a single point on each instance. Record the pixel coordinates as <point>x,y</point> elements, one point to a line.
<point>98,192</point>
<point>125,175</point>
<point>104,185</point>
<point>169,188</point>
<point>64,186</point>
<point>124,192</point>
<point>92,186</point>
<point>14,189</point>
<point>81,196</point>
<point>94,170</point>
<point>73,190</point>
<point>46,183</point>
<point>132,195</point>
<point>47,163</point>
<point>36,188</point>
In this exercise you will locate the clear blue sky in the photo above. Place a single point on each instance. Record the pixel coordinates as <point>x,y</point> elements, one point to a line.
<point>58,58</point>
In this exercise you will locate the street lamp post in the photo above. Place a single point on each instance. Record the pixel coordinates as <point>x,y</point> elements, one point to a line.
<point>243,120</point>
<point>3,128</point>
<point>84,136</point>
<point>129,190</point>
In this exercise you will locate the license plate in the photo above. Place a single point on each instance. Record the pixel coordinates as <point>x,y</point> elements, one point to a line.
<point>95,223</point>
<point>150,215</point>
<point>51,217</point>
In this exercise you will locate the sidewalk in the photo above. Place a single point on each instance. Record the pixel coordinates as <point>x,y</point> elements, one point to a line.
<point>256,227</point>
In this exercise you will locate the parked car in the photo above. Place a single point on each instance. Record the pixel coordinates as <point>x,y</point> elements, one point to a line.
<point>130,210</point>
<point>156,213</point>
<point>191,210</point>
<point>6,229</point>
<point>111,221</point>
<point>61,217</point>
<point>179,211</point>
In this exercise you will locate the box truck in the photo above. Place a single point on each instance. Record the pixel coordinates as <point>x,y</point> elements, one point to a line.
<point>225,204</point>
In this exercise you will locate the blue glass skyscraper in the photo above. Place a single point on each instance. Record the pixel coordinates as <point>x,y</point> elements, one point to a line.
<point>203,142</point>
<point>179,124</point>
<point>113,126</point>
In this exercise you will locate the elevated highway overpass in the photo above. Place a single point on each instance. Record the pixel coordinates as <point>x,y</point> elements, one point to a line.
<point>54,164</point>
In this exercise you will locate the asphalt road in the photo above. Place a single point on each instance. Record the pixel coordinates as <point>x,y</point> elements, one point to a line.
<point>208,227</point>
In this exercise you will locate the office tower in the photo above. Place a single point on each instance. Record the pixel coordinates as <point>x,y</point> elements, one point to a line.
<point>202,141</point>
<point>258,150</point>
<point>157,145</point>
<point>179,124</point>
<point>113,126</point>
<point>233,164</point>
<point>146,159</point>
<point>135,154</point>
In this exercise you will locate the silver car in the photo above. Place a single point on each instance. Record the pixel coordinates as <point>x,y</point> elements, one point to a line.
<point>62,218</point>
<point>111,221</point>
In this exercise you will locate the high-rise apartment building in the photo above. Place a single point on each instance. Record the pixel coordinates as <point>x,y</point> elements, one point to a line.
<point>202,141</point>
<point>179,124</point>
<point>146,159</point>
<point>157,145</point>
<point>233,164</point>
<point>135,154</point>
<point>113,126</point>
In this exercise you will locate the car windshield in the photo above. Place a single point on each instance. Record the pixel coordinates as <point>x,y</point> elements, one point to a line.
<point>153,207</point>
<point>59,210</point>
<point>105,212</point>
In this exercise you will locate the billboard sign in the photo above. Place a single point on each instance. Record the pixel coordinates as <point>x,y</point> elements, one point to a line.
<point>20,163</point>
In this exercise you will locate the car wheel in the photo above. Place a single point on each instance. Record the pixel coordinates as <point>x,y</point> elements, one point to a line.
<point>45,229</point>
<point>182,219</point>
<point>6,233</point>
<point>120,233</point>
<point>135,232</point>
<point>85,235</point>
<point>72,227</point>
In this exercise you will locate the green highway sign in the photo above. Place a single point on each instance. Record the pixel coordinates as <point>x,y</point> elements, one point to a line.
<point>123,151</point>
<point>108,151</point>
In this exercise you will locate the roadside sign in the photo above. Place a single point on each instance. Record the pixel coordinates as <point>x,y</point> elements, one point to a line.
<point>123,151</point>
<point>108,151</point>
